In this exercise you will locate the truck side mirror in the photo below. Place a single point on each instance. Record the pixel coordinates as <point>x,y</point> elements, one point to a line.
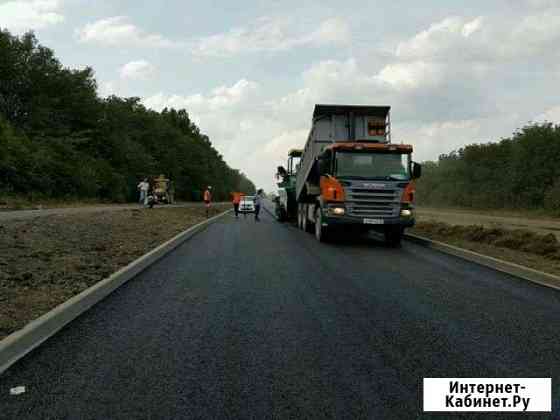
<point>323,163</point>
<point>321,167</point>
<point>416,170</point>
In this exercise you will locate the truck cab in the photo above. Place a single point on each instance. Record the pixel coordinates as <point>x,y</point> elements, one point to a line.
<point>355,178</point>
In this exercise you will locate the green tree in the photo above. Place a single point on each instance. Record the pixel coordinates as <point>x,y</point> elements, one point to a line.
<point>520,172</point>
<point>59,139</point>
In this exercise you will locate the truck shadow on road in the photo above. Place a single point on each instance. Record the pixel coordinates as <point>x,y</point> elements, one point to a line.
<point>365,240</point>
<point>371,240</point>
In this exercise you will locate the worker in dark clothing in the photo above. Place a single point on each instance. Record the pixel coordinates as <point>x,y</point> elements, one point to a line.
<point>258,199</point>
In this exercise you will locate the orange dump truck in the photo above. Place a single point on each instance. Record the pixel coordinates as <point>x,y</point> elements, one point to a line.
<point>352,177</point>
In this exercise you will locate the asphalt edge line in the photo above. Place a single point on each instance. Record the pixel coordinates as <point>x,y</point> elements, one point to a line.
<point>21,342</point>
<point>525,273</point>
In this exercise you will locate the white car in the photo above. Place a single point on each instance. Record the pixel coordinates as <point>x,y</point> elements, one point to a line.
<point>247,204</point>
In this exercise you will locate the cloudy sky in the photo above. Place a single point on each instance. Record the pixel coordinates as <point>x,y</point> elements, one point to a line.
<point>249,72</point>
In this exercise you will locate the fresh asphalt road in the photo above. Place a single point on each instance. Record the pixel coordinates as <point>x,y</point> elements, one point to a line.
<point>258,320</point>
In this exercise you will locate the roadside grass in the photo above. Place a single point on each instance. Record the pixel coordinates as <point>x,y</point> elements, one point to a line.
<point>46,260</point>
<point>520,246</point>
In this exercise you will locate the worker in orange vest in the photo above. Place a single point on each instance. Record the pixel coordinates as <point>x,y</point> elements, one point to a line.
<point>208,199</point>
<point>236,199</point>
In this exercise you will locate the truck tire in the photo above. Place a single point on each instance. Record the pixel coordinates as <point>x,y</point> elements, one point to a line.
<point>280,214</point>
<point>305,224</point>
<point>393,236</point>
<point>304,218</point>
<point>299,216</point>
<point>321,232</point>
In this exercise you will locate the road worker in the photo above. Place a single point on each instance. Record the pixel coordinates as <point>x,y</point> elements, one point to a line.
<point>236,199</point>
<point>143,188</point>
<point>258,199</point>
<point>208,199</point>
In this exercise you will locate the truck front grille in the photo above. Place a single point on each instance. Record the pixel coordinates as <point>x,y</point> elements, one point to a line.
<point>372,203</point>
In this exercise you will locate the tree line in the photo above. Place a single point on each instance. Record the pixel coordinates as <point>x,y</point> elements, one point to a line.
<point>59,139</point>
<point>519,172</point>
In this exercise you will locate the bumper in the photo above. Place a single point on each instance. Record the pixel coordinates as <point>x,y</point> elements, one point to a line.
<point>353,220</point>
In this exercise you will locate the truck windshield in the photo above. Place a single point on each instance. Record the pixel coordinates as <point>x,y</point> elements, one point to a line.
<point>368,165</point>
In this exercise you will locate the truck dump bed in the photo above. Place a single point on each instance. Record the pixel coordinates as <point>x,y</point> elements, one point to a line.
<point>341,123</point>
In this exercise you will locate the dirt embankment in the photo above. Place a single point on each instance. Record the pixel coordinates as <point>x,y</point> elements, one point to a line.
<point>503,219</point>
<point>520,246</point>
<point>46,260</point>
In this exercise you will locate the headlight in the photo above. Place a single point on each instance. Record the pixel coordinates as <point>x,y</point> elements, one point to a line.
<point>406,213</point>
<point>339,211</point>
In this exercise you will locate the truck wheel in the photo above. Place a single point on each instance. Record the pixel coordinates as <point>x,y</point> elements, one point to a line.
<point>393,236</point>
<point>280,214</point>
<point>321,232</point>
<point>305,225</point>
<point>300,217</point>
<point>310,227</point>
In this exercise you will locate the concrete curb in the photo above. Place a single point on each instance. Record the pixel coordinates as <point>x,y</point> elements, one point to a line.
<point>519,271</point>
<point>19,343</point>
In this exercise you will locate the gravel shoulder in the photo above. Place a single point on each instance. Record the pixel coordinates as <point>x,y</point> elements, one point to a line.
<point>491,219</point>
<point>45,260</point>
<point>6,215</point>
<point>540,251</point>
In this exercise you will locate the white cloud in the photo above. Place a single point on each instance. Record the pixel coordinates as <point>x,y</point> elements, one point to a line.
<point>485,39</point>
<point>535,4</point>
<point>536,34</point>
<point>279,145</point>
<point>254,132</point>
<point>23,15</point>
<point>261,162</point>
<point>270,34</point>
<point>411,75</point>
<point>333,30</point>
<point>118,30</point>
<point>137,70</point>
<point>407,84</point>
<point>334,72</point>
<point>551,114</point>
<point>453,36</point>
<point>220,98</point>
<point>106,89</point>
<point>471,27</point>
<point>454,83</point>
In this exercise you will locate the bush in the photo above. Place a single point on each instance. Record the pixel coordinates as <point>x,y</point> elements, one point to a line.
<point>552,198</point>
